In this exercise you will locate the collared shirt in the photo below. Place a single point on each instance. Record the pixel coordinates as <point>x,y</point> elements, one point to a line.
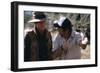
<point>73,50</point>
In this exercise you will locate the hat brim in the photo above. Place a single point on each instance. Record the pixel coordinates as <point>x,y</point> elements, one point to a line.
<point>34,20</point>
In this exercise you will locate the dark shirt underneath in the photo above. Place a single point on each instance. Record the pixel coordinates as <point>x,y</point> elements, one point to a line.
<point>42,45</point>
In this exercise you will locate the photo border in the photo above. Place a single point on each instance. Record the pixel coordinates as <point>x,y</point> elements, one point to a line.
<point>14,35</point>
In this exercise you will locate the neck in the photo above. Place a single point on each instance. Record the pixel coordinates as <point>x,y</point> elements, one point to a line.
<point>40,31</point>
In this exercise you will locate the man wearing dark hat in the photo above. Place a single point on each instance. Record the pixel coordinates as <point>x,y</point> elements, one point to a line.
<point>68,42</point>
<point>38,42</point>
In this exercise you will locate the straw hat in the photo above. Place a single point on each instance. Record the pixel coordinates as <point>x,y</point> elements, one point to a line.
<point>38,17</point>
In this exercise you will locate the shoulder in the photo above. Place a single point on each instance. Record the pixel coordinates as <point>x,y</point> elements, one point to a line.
<point>30,34</point>
<point>48,34</point>
<point>77,37</point>
<point>76,34</point>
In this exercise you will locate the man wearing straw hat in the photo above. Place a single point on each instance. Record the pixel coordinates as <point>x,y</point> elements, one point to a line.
<point>38,42</point>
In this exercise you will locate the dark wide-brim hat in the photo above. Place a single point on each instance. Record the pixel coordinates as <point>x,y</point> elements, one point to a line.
<point>38,17</point>
<point>63,23</point>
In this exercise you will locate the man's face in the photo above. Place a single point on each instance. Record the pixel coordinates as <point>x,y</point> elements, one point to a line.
<point>41,25</point>
<point>63,32</point>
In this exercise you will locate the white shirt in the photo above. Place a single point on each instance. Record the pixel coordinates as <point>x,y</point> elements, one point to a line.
<point>73,50</point>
